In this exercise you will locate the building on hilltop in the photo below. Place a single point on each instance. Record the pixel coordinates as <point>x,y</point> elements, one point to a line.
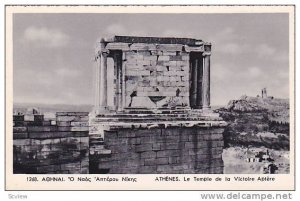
<point>264,93</point>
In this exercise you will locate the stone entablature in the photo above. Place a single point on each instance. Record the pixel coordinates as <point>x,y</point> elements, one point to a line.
<point>153,73</point>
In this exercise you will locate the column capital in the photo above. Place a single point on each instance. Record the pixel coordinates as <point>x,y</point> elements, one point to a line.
<point>102,47</point>
<point>105,52</point>
<point>206,54</point>
<point>97,56</point>
<point>101,53</point>
<point>109,39</point>
<point>207,47</point>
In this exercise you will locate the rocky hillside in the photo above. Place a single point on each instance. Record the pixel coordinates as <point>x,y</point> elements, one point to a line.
<point>255,121</point>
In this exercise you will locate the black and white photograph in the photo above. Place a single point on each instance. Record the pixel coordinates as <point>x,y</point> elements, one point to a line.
<point>141,93</point>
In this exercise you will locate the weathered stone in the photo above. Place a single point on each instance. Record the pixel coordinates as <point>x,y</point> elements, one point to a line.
<point>41,128</point>
<point>163,58</point>
<point>28,118</point>
<point>47,169</point>
<point>154,40</point>
<point>45,151</point>
<point>167,153</point>
<point>18,118</point>
<point>71,118</point>
<point>142,46</point>
<point>164,168</point>
<point>147,170</point>
<point>79,128</point>
<point>143,147</point>
<point>20,135</point>
<point>117,46</point>
<point>175,160</point>
<point>79,114</point>
<point>169,47</point>
<point>19,129</point>
<point>170,53</point>
<point>64,128</point>
<point>79,124</point>
<point>148,154</point>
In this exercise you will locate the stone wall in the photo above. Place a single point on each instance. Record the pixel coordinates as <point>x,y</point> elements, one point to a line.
<point>59,145</point>
<point>156,76</point>
<point>64,145</point>
<point>161,150</point>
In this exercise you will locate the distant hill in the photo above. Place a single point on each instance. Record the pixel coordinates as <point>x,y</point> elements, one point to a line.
<point>257,121</point>
<point>22,107</point>
<point>277,109</point>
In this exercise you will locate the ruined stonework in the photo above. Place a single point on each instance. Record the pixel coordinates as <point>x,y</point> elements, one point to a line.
<point>52,146</point>
<point>162,150</point>
<point>156,73</point>
<point>160,121</point>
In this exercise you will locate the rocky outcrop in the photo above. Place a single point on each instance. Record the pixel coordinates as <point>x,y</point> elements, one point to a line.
<point>277,109</point>
<point>244,104</point>
<point>255,121</point>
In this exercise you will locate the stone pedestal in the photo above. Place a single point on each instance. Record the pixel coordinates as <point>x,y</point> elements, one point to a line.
<point>171,143</point>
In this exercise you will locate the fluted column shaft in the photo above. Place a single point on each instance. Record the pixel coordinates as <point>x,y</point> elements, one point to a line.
<point>193,91</point>
<point>206,81</point>
<point>103,82</point>
<point>97,82</point>
<point>101,78</point>
<point>199,82</point>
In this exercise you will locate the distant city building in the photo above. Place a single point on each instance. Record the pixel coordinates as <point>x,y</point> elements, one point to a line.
<point>264,93</point>
<point>260,156</point>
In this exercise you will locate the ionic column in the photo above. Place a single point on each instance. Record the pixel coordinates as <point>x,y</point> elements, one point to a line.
<point>199,82</point>
<point>193,90</point>
<point>103,82</point>
<point>97,82</point>
<point>206,81</point>
<point>118,68</point>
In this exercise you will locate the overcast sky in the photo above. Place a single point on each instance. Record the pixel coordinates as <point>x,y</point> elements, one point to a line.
<point>53,52</point>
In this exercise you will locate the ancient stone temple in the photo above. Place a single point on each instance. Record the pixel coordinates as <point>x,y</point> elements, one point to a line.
<point>159,118</point>
<point>153,73</point>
